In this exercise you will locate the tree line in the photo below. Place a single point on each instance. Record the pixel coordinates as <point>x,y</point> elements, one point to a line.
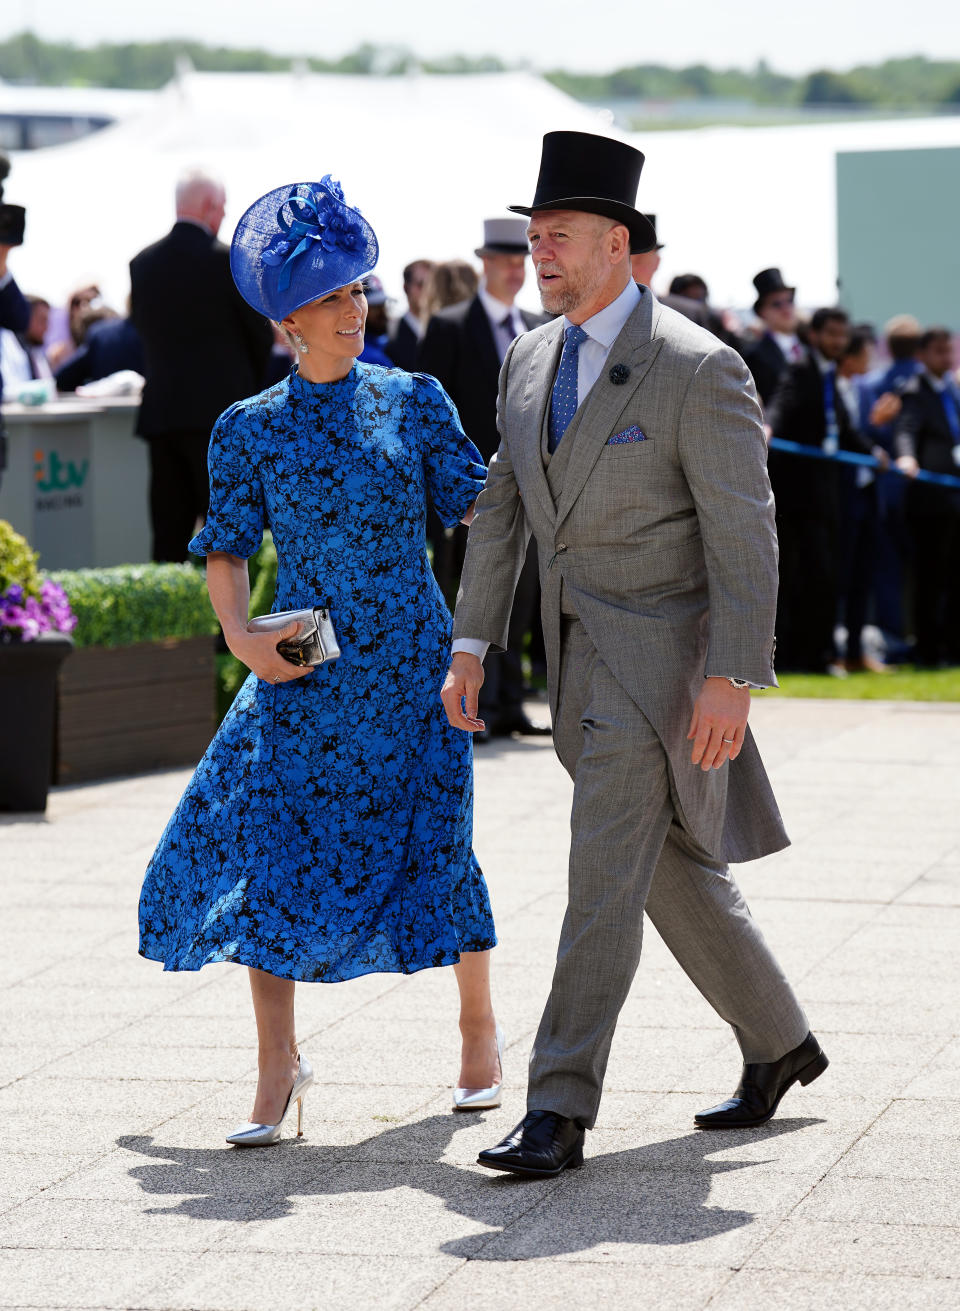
<point>147,65</point>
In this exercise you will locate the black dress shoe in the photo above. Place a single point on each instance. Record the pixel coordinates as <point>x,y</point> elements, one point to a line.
<point>762,1086</point>
<point>505,725</point>
<point>542,1144</point>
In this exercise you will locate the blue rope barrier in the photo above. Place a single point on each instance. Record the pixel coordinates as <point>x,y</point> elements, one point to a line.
<point>865,461</point>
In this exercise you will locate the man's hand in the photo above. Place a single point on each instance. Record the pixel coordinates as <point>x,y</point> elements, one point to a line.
<point>462,690</point>
<point>719,723</point>
<point>885,408</point>
<point>908,466</point>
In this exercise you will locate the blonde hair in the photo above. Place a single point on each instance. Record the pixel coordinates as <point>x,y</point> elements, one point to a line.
<point>449,282</point>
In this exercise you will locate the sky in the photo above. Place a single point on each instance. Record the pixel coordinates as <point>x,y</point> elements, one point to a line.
<point>571,34</point>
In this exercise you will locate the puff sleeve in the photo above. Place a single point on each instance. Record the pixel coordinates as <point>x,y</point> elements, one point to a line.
<point>235,520</point>
<point>453,467</point>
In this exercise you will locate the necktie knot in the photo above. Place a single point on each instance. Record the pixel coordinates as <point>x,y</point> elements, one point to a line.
<point>573,335</point>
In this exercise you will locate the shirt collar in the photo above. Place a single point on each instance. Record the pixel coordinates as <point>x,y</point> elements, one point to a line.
<point>823,364</point>
<point>606,325</point>
<point>938,384</point>
<point>785,340</point>
<point>497,310</point>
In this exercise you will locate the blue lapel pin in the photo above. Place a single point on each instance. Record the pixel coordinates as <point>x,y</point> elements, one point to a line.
<point>619,374</point>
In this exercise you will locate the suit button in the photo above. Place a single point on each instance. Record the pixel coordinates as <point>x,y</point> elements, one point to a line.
<point>561,546</point>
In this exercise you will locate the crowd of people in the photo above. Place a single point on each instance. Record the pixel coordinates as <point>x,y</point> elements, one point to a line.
<point>865,546</point>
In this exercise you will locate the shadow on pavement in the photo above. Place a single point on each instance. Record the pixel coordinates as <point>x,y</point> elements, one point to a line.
<point>654,1194</point>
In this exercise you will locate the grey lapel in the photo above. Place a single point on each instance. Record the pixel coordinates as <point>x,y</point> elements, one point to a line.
<point>536,396</point>
<point>636,348</point>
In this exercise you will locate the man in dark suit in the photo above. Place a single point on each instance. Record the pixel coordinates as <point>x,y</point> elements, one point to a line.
<point>927,436</point>
<point>464,347</point>
<point>405,338</point>
<point>110,346</point>
<point>779,346</point>
<point>808,408</point>
<point>204,348</point>
<point>15,315</point>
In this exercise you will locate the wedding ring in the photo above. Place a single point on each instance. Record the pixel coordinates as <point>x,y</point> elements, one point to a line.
<point>276,678</point>
<point>728,740</point>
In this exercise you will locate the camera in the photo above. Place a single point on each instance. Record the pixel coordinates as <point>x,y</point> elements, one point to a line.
<point>13,218</point>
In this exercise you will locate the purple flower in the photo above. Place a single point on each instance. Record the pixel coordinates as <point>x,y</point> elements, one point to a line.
<point>26,617</point>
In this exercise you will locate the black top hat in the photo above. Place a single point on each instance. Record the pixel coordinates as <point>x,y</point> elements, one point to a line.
<point>766,282</point>
<point>655,245</point>
<point>595,174</point>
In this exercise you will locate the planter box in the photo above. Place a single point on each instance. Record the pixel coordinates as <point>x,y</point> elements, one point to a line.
<point>124,710</point>
<point>28,700</point>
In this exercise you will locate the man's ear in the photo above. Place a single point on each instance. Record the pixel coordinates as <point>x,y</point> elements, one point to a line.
<point>619,239</point>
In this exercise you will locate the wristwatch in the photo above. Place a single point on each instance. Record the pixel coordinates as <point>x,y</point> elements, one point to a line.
<point>738,683</point>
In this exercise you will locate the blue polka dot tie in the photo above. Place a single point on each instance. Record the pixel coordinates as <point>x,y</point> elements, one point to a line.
<point>563,401</point>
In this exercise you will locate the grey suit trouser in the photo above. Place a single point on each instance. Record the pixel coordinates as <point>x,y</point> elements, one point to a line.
<point>629,853</point>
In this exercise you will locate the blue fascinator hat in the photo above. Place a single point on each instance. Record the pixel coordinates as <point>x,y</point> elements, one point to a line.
<point>296,244</point>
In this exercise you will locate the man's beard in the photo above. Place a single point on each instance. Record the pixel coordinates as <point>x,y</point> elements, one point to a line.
<point>575,287</point>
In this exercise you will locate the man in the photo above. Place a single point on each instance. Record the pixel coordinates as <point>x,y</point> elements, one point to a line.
<point>632,449</point>
<point>463,347</point>
<point>402,346</point>
<point>927,436</point>
<point>688,292</point>
<point>894,548</point>
<point>14,315</point>
<point>808,408</point>
<point>779,346</point>
<point>111,345</point>
<point>204,348</point>
<point>858,505</point>
<point>22,357</point>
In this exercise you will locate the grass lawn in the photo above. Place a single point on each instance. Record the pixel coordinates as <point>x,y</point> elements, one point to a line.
<point>902,684</point>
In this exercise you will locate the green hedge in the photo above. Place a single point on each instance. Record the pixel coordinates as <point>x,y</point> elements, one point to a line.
<point>137,603</point>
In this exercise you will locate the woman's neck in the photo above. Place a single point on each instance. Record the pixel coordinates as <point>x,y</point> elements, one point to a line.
<point>320,367</point>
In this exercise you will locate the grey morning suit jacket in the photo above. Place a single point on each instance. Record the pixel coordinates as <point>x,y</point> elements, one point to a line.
<point>665,548</point>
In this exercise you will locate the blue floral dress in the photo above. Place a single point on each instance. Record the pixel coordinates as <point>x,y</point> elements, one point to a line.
<point>327,831</point>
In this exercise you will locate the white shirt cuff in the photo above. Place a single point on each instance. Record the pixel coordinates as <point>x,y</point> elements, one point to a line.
<point>472,645</point>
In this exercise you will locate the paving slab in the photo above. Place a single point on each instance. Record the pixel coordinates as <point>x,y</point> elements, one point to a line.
<point>118,1081</point>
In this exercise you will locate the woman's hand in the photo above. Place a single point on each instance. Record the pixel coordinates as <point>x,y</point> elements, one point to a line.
<point>258,651</point>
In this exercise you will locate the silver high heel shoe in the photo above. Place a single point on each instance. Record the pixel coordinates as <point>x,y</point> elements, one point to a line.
<point>482,1099</point>
<point>263,1135</point>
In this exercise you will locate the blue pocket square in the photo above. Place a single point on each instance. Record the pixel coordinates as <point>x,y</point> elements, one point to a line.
<point>633,434</point>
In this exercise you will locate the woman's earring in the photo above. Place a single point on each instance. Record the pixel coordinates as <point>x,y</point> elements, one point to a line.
<point>302,346</point>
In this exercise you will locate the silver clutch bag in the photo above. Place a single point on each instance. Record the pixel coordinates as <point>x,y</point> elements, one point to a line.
<point>314,642</point>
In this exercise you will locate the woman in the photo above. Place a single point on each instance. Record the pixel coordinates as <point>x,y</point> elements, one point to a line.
<point>449,283</point>
<point>327,830</point>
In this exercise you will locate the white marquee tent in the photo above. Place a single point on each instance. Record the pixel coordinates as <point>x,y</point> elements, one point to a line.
<point>427,158</point>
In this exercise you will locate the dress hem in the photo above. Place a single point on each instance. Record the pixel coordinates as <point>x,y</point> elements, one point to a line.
<point>237,958</point>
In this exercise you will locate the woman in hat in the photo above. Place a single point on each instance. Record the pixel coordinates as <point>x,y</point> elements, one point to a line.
<point>327,831</point>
